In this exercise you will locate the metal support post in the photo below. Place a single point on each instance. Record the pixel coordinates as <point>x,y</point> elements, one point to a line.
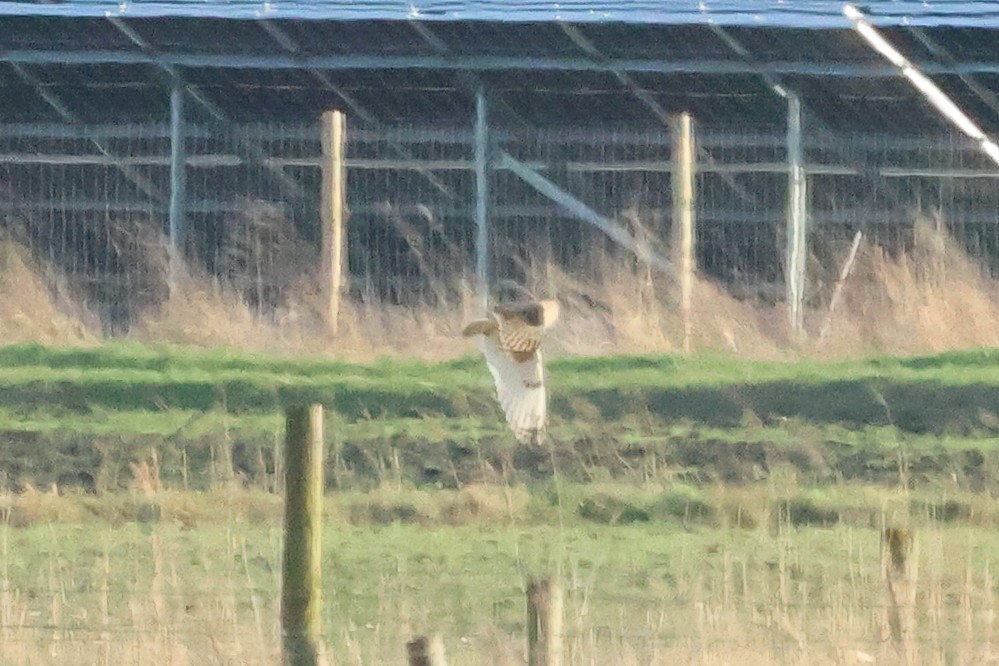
<point>797,219</point>
<point>482,198</point>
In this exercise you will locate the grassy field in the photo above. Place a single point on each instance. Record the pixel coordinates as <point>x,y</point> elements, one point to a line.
<point>698,510</point>
<point>85,590</point>
<point>211,414</point>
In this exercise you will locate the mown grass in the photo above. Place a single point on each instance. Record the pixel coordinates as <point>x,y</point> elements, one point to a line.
<point>97,410</point>
<point>918,394</point>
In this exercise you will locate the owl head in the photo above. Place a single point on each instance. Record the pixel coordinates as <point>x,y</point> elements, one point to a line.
<point>508,293</point>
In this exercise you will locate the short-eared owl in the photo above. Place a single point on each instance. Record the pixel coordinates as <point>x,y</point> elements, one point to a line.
<point>511,337</point>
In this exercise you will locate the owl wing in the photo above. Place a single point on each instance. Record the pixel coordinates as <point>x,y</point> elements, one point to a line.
<point>520,387</point>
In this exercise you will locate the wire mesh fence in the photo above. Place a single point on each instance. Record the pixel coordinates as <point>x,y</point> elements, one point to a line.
<point>93,203</point>
<point>205,595</point>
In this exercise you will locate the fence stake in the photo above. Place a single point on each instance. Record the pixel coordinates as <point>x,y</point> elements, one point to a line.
<point>334,203</point>
<point>178,184</point>
<point>423,651</point>
<point>844,273</point>
<point>302,573</point>
<point>797,219</point>
<point>482,198</point>
<point>899,566</point>
<point>544,623</point>
<point>683,216</point>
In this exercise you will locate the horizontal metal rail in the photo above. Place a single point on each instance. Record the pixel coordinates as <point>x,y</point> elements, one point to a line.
<point>620,166</point>
<point>483,63</point>
<point>707,215</point>
<point>307,134</point>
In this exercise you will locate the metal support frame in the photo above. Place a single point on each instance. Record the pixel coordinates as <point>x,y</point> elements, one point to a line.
<point>779,89</point>
<point>286,42</point>
<point>481,63</point>
<point>850,217</point>
<point>470,80</point>
<point>482,198</point>
<point>797,227</point>
<point>571,166</point>
<point>797,219</point>
<point>931,92</point>
<point>989,98</point>
<point>57,105</point>
<point>252,151</point>
<point>178,182</point>
<point>579,39</point>
<point>583,212</point>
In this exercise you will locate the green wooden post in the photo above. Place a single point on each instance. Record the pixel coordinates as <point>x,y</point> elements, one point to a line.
<point>302,571</point>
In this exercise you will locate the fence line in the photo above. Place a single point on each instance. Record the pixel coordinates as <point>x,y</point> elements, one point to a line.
<point>410,233</point>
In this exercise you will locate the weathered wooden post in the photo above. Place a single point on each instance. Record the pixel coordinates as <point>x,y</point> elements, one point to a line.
<point>334,205</point>
<point>544,623</point>
<point>424,651</point>
<point>899,566</point>
<point>178,187</point>
<point>684,167</point>
<point>301,602</point>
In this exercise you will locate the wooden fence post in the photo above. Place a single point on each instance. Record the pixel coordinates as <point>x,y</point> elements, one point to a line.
<point>178,188</point>
<point>423,651</point>
<point>301,602</point>
<point>899,566</point>
<point>544,623</point>
<point>334,204</point>
<point>683,217</point>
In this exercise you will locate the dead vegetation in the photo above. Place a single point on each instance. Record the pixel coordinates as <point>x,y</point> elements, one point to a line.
<point>168,584</point>
<point>36,309</point>
<point>928,296</point>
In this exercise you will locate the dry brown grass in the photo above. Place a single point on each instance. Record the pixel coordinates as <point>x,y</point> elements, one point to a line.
<point>35,309</point>
<point>480,504</point>
<point>202,312</point>
<point>163,596</point>
<point>929,298</point>
<point>78,586</point>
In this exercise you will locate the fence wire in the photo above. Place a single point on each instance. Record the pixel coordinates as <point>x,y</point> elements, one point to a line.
<point>93,204</point>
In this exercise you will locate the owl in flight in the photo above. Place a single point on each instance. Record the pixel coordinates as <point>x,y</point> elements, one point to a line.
<point>511,337</point>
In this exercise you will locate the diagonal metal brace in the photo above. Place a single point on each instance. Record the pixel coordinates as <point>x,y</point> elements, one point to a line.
<point>580,210</point>
<point>129,172</point>
<point>583,42</point>
<point>288,44</point>
<point>253,152</point>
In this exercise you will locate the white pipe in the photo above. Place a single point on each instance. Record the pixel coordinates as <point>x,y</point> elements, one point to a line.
<point>923,84</point>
